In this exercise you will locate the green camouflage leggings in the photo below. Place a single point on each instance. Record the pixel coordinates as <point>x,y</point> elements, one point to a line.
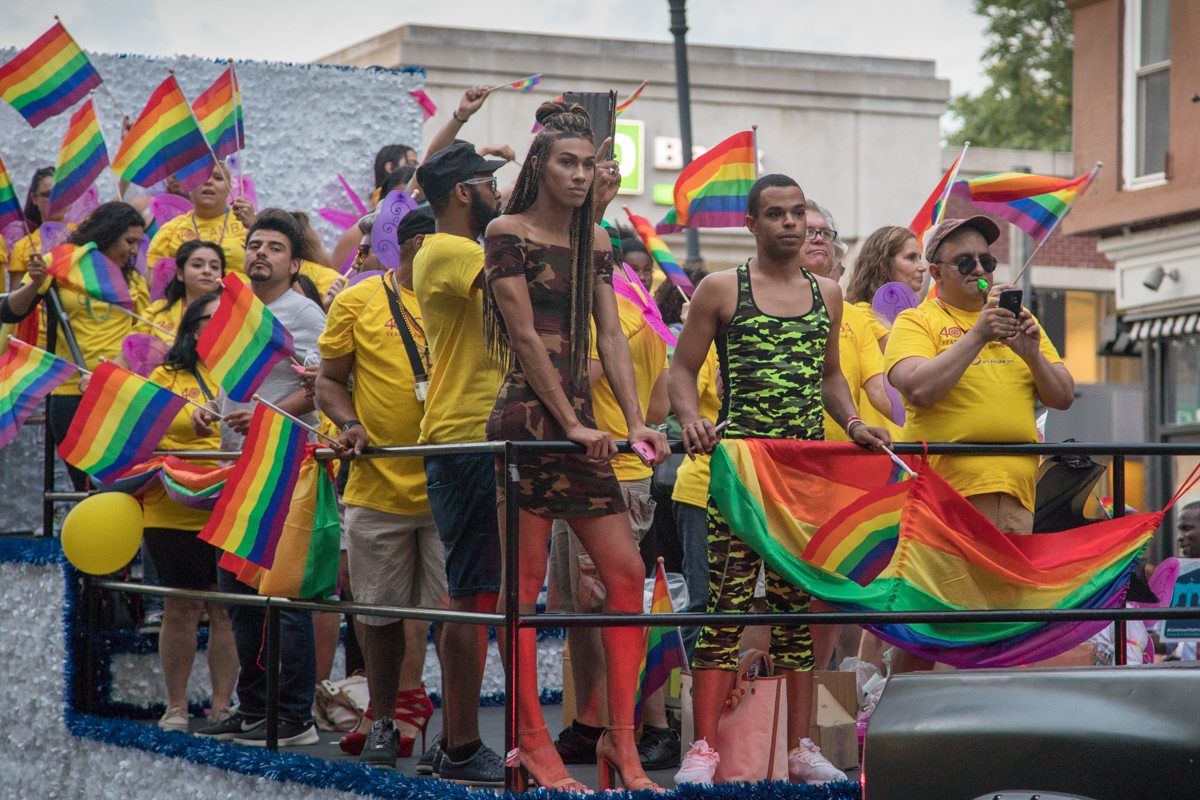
<point>732,573</point>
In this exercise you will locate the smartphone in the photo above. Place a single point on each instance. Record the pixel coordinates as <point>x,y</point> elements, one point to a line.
<point>602,110</point>
<point>1010,300</point>
<point>644,451</point>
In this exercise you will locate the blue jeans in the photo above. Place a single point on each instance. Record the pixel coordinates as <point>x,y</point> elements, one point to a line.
<point>297,657</point>
<point>692,524</point>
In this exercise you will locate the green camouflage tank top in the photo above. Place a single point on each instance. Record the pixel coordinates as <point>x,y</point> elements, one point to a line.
<point>772,368</point>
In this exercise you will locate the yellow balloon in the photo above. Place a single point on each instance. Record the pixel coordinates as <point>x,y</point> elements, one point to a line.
<point>103,533</point>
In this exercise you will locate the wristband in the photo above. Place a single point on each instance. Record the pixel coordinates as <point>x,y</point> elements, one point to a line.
<point>850,422</point>
<point>457,118</point>
<point>348,424</point>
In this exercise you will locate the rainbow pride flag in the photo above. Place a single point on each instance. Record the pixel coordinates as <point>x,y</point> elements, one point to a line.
<point>10,206</point>
<point>219,112</point>
<point>121,419</point>
<point>624,106</point>
<point>859,541</point>
<point>242,341</point>
<point>711,191</point>
<point>81,158</point>
<point>527,84</point>
<point>48,77</point>
<point>934,208</point>
<point>306,559</point>
<point>777,494</point>
<point>85,268</point>
<point>249,516</point>
<point>188,483</point>
<point>661,253</point>
<point>27,375</point>
<point>165,140</point>
<point>1034,203</point>
<point>664,647</point>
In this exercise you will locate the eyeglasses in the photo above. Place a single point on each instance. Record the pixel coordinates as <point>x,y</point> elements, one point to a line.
<point>966,263</point>
<point>490,180</point>
<point>828,234</point>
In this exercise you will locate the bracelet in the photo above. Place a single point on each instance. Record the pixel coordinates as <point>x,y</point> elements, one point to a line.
<point>850,423</point>
<point>457,118</point>
<point>350,423</point>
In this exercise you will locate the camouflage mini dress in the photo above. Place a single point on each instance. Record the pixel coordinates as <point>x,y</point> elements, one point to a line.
<point>554,485</point>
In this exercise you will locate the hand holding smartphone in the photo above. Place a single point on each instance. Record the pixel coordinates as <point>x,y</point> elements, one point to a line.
<point>1010,300</point>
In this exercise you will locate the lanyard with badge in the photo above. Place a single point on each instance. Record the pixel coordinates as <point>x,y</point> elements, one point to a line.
<point>405,324</point>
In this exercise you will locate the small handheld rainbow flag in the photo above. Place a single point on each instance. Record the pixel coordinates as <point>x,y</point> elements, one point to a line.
<point>249,516</point>
<point>242,341</point>
<point>934,208</point>
<point>10,206</point>
<point>527,84</point>
<point>27,374</point>
<point>80,159</point>
<point>48,77</point>
<point>165,140</point>
<point>664,646</point>
<point>121,419</point>
<point>428,107</point>
<point>1034,203</point>
<point>306,559</point>
<point>661,253</point>
<point>711,191</point>
<point>623,107</point>
<point>85,268</point>
<point>219,113</point>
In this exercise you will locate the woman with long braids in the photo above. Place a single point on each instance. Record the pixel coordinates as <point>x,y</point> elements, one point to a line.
<point>548,270</point>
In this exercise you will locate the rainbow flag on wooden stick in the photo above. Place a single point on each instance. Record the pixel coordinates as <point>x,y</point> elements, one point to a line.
<point>1034,203</point>
<point>48,77</point>
<point>10,206</point>
<point>661,253</point>
<point>934,209</point>
<point>121,419</point>
<point>219,112</point>
<point>85,268</point>
<point>306,560</point>
<point>81,158</point>
<point>27,375</point>
<point>165,140</point>
<point>242,341</point>
<point>249,516</point>
<point>664,647</point>
<point>711,191</point>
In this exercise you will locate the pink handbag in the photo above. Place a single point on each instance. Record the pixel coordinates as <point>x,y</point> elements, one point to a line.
<point>752,733</point>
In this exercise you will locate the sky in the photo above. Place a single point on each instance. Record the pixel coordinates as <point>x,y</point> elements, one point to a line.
<point>302,30</point>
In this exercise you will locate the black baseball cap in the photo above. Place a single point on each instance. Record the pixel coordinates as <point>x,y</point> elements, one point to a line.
<point>450,166</point>
<point>414,223</point>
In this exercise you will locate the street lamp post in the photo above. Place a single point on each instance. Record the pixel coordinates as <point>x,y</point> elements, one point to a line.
<point>683,89</point>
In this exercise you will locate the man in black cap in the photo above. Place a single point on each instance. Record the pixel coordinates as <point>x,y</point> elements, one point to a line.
<point>970,371</point>
<point>448,279</point>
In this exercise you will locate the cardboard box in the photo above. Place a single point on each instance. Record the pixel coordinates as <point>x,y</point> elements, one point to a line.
<point>834,730</point>
<point>842,685</point>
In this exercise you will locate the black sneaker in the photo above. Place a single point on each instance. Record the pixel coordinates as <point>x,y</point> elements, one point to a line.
<point>659,748</point>
<point>485,768</point>
<point>380,748</point>
<point>291,734</point>
<point>430,762</point>
<point>575,746</point>
<point>235,725</point>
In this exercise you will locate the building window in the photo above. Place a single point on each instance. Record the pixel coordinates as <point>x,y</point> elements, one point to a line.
<point>1146,108</point>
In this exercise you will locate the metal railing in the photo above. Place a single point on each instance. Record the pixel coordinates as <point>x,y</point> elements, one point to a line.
<point>511,621</point>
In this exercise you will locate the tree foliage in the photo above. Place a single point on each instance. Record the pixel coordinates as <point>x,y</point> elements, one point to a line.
<point>1027,104</point>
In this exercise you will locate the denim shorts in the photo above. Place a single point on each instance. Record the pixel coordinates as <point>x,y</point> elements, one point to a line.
<point>462,498</point>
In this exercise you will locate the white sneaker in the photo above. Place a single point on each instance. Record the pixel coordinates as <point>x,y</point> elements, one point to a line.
<point>807,765</point>
<point>176,719</point>
<point>699,764</point>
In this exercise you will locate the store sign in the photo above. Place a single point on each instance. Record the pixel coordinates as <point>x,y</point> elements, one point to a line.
<point>629,150</point>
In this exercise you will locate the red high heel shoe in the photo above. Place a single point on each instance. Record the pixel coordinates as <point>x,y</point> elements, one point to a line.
<point>413,707</point>
<point>352,743</point>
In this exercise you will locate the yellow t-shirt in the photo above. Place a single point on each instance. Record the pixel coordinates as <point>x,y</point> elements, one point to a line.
<point>861,360</point>
<point>691,481</point>
<point>649,353</point>
<point>993,401</point>
<point>167,317</point>
<point>158,510</point>
<point>465,379</point>
<point>877,327</point>
<point>4,261</point>
<point>188,226</point>
<point>321,275</point>
<point>360,323</point>
<point>25,248</point>
<point>99,328</point>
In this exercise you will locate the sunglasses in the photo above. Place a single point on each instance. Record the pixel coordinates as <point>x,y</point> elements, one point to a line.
<point>489,181</point>
<point>966,263</point>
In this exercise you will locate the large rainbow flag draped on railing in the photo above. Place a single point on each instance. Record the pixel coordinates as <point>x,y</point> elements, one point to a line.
<point>711,191</point>
<point>188,483</point>
<point>248,518</point>
<point>48,77</point>
<point>243,341</point>
<point>783,499</point>
<point>121,419</point>
<point>1034,203</point>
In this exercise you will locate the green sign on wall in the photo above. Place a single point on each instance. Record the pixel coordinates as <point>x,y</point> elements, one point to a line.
<point>629,149</point>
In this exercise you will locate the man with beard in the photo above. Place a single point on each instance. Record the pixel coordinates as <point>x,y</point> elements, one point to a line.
<point>273,248</point>
<point>448,277</point>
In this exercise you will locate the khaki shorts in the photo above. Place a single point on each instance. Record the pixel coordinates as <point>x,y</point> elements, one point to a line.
<point>573,583</point>
<point>1005,511</point>
<point>395,560</point>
